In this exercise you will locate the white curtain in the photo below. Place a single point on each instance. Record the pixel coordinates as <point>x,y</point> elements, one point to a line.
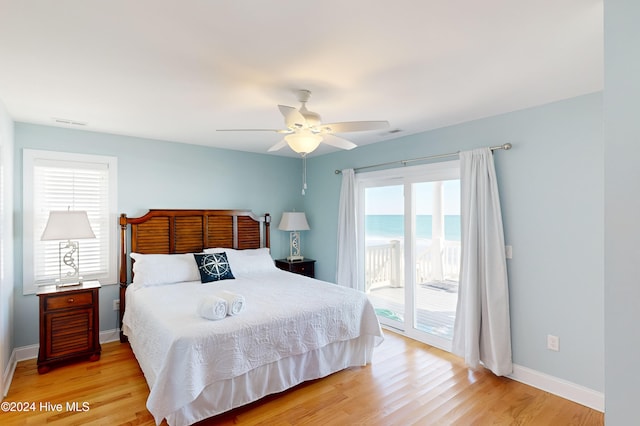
<point>347,261</point>
<point>482,331</point>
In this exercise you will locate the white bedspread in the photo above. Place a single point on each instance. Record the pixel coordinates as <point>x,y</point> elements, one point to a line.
<point>181,353</point>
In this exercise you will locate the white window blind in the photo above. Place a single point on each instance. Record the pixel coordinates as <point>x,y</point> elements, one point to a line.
<point>61,181</point>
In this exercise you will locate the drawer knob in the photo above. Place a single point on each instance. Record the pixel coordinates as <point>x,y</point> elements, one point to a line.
<point>70,300</point>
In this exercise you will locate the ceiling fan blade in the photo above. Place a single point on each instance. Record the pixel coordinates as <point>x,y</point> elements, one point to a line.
<point>278,146</point>
<point>292,117</point>
<point>338,142</point>
<point>353,126</point>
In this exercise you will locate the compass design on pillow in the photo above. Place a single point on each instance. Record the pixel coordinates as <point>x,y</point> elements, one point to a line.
<point>213,267</point>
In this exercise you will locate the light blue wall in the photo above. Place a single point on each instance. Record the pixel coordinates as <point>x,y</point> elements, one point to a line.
<point>622,210</point>
<point>157,174</point>
<point>551,187</point>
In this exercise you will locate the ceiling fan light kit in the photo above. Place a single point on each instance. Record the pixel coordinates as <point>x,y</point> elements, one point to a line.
<point>303,142</point>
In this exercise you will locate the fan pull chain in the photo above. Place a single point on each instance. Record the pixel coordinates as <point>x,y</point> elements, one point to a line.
<point>304,173</point>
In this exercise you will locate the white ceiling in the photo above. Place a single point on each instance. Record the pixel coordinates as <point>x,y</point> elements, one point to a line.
<point>179,70</point>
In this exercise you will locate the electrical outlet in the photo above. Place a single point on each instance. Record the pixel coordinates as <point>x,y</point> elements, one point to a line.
<point>553,342</point>
<point>116,305</point>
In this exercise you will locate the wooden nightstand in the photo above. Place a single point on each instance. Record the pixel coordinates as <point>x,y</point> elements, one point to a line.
<point>69,324</point>
<point>303,267</point>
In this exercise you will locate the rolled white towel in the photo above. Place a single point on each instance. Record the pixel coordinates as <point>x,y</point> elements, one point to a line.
<point>212,308</point>
<point>234,301</point>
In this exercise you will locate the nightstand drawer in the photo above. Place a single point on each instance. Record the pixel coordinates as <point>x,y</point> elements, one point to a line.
<point>69,300</point>
<point>302,267</point>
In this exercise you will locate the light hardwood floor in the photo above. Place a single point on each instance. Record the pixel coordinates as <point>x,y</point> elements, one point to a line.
<point>408,383</point>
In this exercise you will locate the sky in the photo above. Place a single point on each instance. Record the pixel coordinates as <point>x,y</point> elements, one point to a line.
<point>390,199</point>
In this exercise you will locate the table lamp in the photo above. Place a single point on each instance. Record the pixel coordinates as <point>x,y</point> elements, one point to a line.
<point>68,225</point>
<point>294,222</point>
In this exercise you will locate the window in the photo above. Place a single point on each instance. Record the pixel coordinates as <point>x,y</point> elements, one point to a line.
<point>61,181</point>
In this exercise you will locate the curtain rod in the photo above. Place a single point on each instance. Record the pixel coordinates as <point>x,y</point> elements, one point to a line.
<point>506,147</point>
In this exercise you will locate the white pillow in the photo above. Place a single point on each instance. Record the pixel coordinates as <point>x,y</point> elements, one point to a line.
<point>249,261</point>
<point>160,269</point>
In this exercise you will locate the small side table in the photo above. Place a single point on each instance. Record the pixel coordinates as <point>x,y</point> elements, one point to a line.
<point>303,267</point>
<point>69,324</point>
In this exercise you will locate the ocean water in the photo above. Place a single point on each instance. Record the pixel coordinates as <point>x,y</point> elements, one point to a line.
<point>392,227</point>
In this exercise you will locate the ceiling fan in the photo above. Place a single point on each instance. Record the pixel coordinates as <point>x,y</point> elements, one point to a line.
<point>305,131</point>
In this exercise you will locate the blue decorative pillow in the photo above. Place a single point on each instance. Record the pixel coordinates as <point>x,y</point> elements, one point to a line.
<point>213,267</point>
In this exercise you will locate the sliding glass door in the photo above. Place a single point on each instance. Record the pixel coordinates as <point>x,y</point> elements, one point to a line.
<point>411,248</point>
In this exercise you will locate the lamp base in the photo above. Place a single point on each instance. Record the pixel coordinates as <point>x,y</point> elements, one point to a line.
<point>69,281</point>
<point>71,284</point>
<point>69,254</point>
<point>294,247</point>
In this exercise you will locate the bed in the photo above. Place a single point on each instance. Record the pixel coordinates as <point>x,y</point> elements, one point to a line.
<point>291,329</point>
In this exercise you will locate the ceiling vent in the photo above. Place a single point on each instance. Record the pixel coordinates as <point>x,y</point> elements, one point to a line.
<point>391,132</point>
<point>69,121</point>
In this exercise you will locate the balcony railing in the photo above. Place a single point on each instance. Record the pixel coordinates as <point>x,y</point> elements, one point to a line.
<point>383,264</point>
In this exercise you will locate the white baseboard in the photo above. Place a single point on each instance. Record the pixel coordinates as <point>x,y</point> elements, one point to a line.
<point>562,388</point>
<point>109,336</point>
<point>31,351</point>
<point>7,376</point>
<point>25,352</point>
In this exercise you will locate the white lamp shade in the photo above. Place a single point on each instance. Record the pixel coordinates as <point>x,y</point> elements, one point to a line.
<point>303,142</point>
<point>293,221</point>
<point>67,225</point>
